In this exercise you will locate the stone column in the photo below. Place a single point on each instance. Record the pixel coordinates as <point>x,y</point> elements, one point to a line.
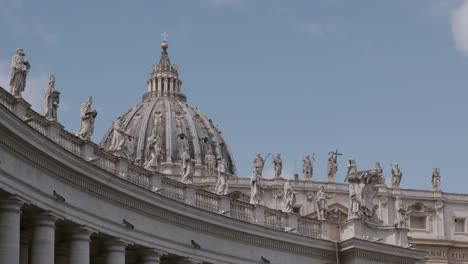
<point>79,246</point>
<point>43,239</point>
<point>115,251</point>
<point>151,256</point>
<point>10,215</point>
<point>159,86</point>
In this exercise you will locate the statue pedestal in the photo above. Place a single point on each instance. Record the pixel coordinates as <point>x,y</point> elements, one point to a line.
<point>199,169</point>
<point>308,183</point>
<point>437,193</point>
<point>331,185</point>
<point>20,107</point>
<point>382,188</point>
<point>396,191</point>
<point>169,168</point>
<point>358,228</point>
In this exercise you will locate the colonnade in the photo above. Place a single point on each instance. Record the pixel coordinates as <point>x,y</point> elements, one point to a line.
<point>36,244</point>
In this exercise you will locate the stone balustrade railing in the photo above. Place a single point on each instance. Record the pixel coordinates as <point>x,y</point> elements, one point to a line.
<point>125,169</point>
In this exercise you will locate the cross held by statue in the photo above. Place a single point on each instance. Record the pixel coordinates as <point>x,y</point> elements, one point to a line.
<point>336,154</point>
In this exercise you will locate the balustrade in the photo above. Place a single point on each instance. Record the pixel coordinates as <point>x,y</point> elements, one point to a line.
<point>173,189</point>
<point>275,219</point>
<point>138,176</point>
<point>242,211</point>
<point>206,201</point>
<point>309,227</point>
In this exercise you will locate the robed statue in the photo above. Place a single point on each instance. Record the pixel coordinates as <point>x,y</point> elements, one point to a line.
<point>362,190</point>
<point>119,139</point>
<point>256,190</point>
<point>332,167</point>
<point>436,179</point>
<point>51,100</point>
<point>396,176</point>
<point>187,167</point>
<point>221,187</point>
<point>88,116</point>
<point>19,71</point>
<point>289,197</point>
<point>307,168</point>
<point>210,161</point>
<point>278,165</point>
<point>153,152</point>
<point>322,203</point>
<point>259,163</point>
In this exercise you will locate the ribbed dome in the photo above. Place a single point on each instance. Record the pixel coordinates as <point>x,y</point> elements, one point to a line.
<point>164,114</point>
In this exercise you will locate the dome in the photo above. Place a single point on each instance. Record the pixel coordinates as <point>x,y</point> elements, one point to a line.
<point>165,117</point>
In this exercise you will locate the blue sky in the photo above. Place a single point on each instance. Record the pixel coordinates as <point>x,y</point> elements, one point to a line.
<point>379,80</point>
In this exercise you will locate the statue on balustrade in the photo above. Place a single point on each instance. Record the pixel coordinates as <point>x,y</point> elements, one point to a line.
<point>256,190</point>
<point>322,203</point>
<point>396,176</point>
<point>332,167</point>
<point>221,187</point>
<point>378,169</point>
<point>307,167</point>
<point>402,214</point>
<point>153,152</point>
<point>278,165</point>
<point>289,197</point>
<point>187,167</point>
<point>88,116</point>
<point>119,139</point>
<point>210,161</point>
<point>51,100</point>
<point>259,163</point>
<point>362,190</point>
<point>19,71</point>
<point>436,179</point>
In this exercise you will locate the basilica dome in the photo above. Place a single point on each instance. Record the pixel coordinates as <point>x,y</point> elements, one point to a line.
<point>164,116</point>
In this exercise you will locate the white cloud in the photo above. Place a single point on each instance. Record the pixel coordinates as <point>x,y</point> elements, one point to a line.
<point>460,27</point>
<point>35,86</point>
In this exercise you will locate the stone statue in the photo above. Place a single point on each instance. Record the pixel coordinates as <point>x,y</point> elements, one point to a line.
<point>119,138</point>
<point>222,182</point>
<point>278,165</point>
<point>289,197</point>
<point>401,214</point>
<point>436,179</point>
<point>332,167</point>
<point>322,203</point>
<point>378,169</point>
<point>259,162</point>
<point>51,100</point>
<point>153,153</point>
<point>210,161</point>
<point>187,168</point>
<point>362,191</point>
<point>396,176</point>
<point>88,116</point>
<point>19,71</point>
<point>307,168</point>
<point>256,190</point>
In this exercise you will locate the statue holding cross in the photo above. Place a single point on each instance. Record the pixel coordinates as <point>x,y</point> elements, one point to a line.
<point>332,167</point>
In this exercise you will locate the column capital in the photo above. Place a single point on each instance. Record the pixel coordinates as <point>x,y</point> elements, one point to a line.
<point>116,245</point>
<point>12,203</point>
<point>81,233</point>
<point>151,256</point>
<point>46,218</point>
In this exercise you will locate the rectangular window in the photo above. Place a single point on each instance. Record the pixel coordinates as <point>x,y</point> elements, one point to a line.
<point>418,222</point>
<point>460,225</point>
